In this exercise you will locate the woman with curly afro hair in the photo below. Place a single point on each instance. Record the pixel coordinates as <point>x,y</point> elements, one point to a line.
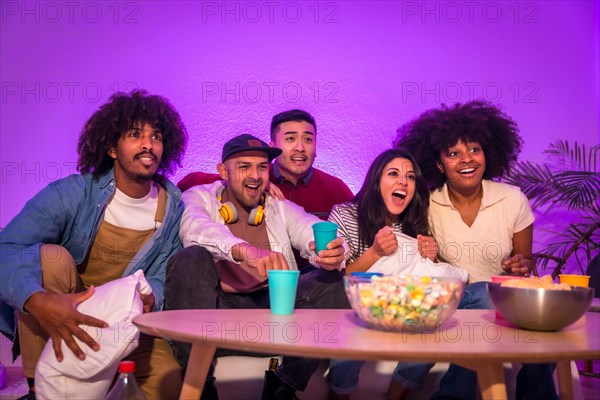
<point>441,128</point>
<point>460,149</point>
<point>479,224</point>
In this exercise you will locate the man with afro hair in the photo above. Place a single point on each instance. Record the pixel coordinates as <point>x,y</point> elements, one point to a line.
<point>118,216</point>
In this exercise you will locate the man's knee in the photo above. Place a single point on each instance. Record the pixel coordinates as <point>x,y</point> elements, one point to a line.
<point>190,264</point>
<point>53,257</point>
<point>192,280</point>
<point>59,273</point>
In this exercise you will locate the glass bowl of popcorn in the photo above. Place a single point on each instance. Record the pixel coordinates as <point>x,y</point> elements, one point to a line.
<point>404,303</point>
<point>540,304</point>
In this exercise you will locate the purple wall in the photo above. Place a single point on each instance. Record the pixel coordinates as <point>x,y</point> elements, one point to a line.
<point>362,68</point>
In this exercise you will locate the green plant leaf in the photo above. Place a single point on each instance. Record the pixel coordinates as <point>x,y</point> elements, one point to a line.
<point>575,157</point>
<point>570,179</point>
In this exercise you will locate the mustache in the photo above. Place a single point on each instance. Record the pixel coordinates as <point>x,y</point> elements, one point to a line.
<point>146,152</point>
<point>251,181</point>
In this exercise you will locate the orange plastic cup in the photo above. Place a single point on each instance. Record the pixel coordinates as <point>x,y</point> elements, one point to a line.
<point>575,280</point>
<point>504,278</point>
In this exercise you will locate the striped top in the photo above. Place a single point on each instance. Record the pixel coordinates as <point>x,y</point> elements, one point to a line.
<point>345,215</point>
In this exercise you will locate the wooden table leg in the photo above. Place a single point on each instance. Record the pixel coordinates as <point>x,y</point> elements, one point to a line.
<point>565,379</point>
<point>491,379</point>
<point>197,369</point>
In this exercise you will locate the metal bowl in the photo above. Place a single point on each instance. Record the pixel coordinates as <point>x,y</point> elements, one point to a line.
<point>540,309</point>
<point>403,303</point>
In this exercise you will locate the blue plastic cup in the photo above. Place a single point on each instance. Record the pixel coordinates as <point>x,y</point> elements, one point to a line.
<point>365,275</point>
<point>282,290</point>
<point>324,233</point>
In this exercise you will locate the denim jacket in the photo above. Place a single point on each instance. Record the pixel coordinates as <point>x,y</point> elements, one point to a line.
<point>69,212</point>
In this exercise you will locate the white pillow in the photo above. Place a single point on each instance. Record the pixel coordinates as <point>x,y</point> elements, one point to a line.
<point>406,260</point>
<point>116,303</point>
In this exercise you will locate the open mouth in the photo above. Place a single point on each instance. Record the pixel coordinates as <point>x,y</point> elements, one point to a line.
<point>252,188</point>
<point>400,194</point>
<point>467,171</point>
<point>146,159</point>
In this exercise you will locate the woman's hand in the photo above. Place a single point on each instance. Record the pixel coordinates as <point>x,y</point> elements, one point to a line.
<point>427,247</point>
<point>385,242</point>
<point>517,265</point>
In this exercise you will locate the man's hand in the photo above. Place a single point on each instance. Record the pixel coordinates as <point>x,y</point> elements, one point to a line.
<point>385,242</point>
<point>517,265</point>
<point>275,192</point>
<point>427,247</point>
<point>260,259</point>
<point>148,300</point>
<point>331,258</point>
<point>57,315</point>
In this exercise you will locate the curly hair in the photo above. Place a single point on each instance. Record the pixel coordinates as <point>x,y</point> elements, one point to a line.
<point>372,211</point>
<point>439,129</point>
<point>122,113</point>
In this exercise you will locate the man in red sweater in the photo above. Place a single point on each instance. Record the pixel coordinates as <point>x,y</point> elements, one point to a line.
<point>295,133</point>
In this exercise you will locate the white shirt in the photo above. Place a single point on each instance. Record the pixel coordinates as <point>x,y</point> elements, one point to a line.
<point>481,247</point>
<point>288,225</point>
<point>127,212</point>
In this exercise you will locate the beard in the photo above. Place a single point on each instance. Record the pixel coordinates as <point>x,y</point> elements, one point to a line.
<point>137,174</point>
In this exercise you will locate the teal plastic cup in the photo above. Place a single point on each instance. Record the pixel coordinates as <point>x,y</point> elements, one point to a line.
<point>282,290</point>
<point>324,233</point>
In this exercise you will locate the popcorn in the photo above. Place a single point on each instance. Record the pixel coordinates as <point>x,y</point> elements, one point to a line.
<point>533,282</point>
<point>397,302</point>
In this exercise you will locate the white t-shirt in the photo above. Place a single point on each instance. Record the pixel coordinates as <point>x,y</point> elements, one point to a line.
<point>481,247</point>
<point>138,214</point>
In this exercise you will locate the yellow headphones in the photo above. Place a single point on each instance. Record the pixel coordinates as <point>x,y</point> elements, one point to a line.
<point>229,213</point>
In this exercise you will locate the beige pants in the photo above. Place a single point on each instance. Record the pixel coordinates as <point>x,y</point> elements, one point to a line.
<point>157,371</point>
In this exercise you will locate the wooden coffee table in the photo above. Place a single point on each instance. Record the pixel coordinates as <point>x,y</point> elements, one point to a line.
<point>471,338</point>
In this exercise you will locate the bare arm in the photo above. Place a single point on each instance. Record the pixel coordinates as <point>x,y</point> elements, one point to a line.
<point>519,263</point>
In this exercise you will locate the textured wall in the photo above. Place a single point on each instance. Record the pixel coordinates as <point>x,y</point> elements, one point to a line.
<point>362,68</point>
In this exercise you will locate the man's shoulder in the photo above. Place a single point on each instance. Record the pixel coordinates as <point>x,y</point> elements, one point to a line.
<point>324,176</point>
<point>74,182</point>
<point>336,183</point>
<point>168,185</point>
<point>201,192</point>
<point>197,178</point>
<point>286,208</point>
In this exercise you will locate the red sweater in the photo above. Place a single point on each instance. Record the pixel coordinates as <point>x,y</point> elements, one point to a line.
<point>317,193</point>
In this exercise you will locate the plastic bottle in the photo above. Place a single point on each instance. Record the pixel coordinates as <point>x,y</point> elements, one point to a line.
<point>126,388</point>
